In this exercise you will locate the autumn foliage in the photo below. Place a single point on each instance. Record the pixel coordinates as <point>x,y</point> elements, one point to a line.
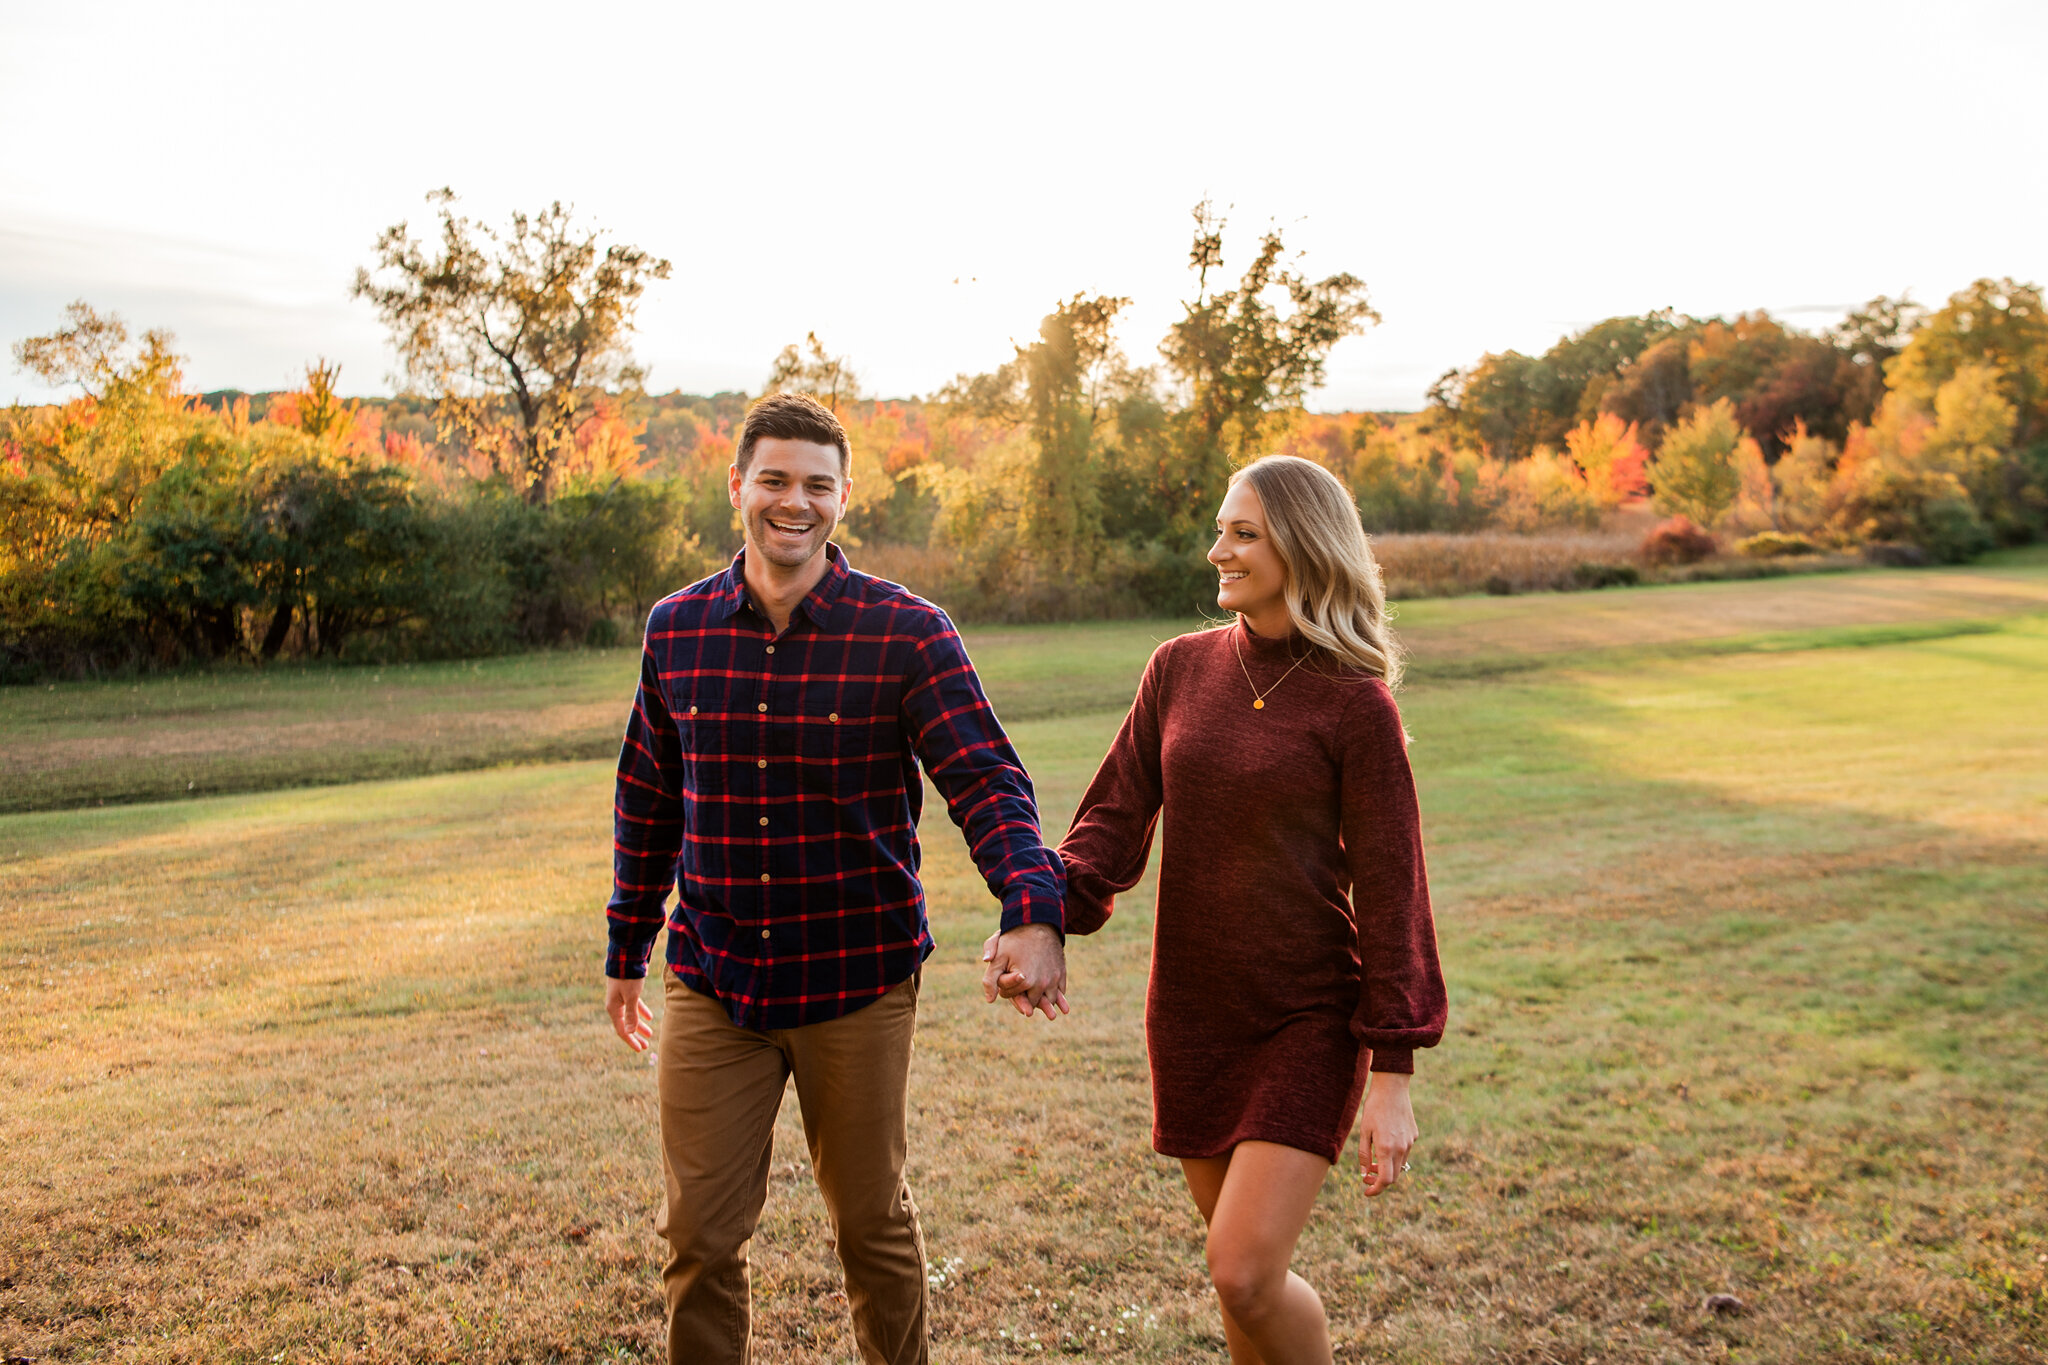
<point>144,525</point>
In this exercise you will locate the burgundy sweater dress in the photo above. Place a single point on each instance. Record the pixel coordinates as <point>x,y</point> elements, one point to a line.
<point>1293,947</point>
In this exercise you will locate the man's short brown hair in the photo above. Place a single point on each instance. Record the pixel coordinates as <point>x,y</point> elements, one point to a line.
<point>792,417</point>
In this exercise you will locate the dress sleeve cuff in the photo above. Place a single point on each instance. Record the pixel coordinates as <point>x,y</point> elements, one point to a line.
<point>1395,1061</point>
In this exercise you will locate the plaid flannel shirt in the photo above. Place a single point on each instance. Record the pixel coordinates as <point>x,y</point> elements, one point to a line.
<point>772,780</point>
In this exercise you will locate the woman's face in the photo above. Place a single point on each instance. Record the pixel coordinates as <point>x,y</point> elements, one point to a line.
<point>1252,575</point>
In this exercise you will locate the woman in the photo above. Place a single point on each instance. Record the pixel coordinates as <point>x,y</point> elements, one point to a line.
<point>1294,956</point>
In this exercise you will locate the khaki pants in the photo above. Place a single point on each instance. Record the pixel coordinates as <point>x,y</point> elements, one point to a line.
<point>720,1088</point>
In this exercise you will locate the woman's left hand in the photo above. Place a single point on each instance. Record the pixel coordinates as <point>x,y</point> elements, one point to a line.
<point>1387,1133</point>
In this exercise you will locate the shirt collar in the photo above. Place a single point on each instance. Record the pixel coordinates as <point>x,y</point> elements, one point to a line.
<point>817,604</point>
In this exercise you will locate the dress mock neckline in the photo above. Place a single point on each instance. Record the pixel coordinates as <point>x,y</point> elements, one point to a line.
<point>1260,646</point>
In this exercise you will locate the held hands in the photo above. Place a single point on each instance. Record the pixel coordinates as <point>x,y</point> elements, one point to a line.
<point>631,1019</point>
<point>1386,1132</point>
<point>1028,967</point>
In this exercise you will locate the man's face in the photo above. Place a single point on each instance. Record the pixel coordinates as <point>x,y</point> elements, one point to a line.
<point>789,499</point>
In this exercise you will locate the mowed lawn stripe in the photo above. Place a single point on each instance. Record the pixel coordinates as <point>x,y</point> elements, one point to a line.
<point>70,745</point>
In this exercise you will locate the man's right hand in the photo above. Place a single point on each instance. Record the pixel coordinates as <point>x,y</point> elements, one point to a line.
<point>631,1019</point>
<point>1027,967</point>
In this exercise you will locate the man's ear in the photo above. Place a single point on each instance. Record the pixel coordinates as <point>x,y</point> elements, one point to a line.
<point>845,496</point>
<point>733,479</point>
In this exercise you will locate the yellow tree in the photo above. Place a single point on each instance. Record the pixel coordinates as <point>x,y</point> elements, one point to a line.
<point>1694,472</point>
<point>1998,324</point>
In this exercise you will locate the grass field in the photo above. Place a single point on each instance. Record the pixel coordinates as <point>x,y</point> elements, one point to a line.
<point>69,745</point>
<point>1741,890</point>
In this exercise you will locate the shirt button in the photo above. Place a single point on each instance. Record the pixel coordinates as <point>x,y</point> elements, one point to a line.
<point>764,933</point>
<point>834,718</point>
<point>693,710</point>
<point>760,762</point>
<point>764,876</point>
<point>762,707</point>
<point>764,819</point>
<point>771,649</point>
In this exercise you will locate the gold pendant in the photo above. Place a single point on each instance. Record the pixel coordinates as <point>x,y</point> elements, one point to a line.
<point>1258,704</point>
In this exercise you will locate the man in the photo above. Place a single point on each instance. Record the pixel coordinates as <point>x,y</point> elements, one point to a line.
<point>770,773</point>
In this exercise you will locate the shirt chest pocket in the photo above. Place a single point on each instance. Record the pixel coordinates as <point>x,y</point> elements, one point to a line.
<point>847,723</point>
<point>703,732</point>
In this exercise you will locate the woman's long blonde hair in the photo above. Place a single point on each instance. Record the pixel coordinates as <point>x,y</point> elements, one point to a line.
<point>1334,593</point>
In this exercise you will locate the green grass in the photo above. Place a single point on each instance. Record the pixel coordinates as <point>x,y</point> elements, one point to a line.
<point>69,745</point>
<point>1749,973</point>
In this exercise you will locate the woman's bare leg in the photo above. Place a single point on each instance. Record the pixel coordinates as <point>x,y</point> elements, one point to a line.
<point>1256,1201</point>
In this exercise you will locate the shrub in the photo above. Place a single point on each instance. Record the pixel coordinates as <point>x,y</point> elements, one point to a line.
<point>1952,531</point>
<point>1678,540</point>
<point>1767,544</point>
<point>1605,576</point>
<point>1892,554</point>
<point>1887,499</point>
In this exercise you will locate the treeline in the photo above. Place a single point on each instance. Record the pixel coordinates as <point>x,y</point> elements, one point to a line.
<point>1924,433</point>
<point>528,492</point>
<point>143,528</point>
<point>538,496</point>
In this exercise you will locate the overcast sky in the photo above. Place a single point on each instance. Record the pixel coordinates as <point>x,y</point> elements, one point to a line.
<point>919,183</point>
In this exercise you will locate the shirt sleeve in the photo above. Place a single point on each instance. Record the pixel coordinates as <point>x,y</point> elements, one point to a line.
<point>971,761</point>
<point>1401,1000</point>
<point>647,827</point>
<point>1111,837</point>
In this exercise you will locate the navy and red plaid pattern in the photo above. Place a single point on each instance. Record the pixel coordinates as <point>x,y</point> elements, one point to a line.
<point>773,783</point>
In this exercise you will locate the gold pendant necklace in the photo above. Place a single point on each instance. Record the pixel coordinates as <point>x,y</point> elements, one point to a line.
<point>1258,697</point>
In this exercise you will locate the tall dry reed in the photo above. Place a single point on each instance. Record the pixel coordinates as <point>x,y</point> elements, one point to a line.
<point>1444,564</point>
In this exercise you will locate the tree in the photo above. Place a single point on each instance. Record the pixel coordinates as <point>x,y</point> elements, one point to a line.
<point>1654,388</point>
<point>1997,323</point>
<point>1694,473</point>
<point>514,333</point>
<point>1500,403</point>
<point>1778,379</point>
<point>1879,330</point>
<point>1065,376</point>
<point>1973,427</point>
<point>1608,453</point>
<point>1058,387</point>
<point>93,353</point>
<point>1240,357</point>
<point>827,378</point>
<point>1512,403</point>
<point>321,411</point>
<point>1585,365</point>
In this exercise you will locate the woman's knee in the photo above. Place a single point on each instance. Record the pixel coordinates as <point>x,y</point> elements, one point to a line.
<point>1248,1285</point>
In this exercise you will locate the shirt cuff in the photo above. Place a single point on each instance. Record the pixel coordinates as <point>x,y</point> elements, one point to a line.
<point>1033,905</point>
<point>1395,1061</point>
<point>626,954</point>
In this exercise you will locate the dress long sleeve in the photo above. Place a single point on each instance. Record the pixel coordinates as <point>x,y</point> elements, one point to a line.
<point>1111,837</point>
<point>1401,999</point>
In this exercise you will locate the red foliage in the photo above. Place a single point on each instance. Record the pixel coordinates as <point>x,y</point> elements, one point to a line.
<point>1629,475</point>
<point>404,448</point>
<point>1677,541</point>
<point>904,455</point>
